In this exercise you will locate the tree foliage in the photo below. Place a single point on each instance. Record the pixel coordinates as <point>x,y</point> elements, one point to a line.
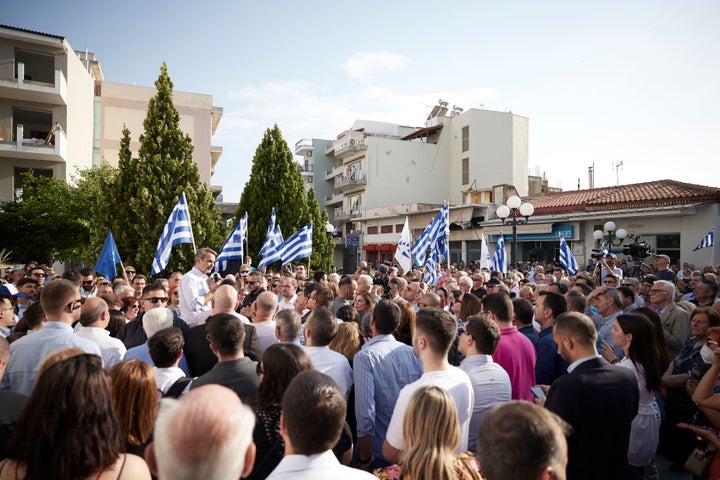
<point>148,187</point>
<point>322,245</point>
<point>275,182</point>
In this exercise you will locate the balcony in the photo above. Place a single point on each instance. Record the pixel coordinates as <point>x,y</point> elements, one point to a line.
<point>342,214</point>
<point>350,182</point>
<point>25,88</point>
<point>347,145</point>
<point>334,172</point>
<point>334,199</point>
<point>304,147</point>
<point>215,154</point>
<point>33,149</point>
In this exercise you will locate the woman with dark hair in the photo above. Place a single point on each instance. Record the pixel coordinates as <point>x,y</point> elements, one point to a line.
<point>135,397</point>
<point>406,326</point>
<point>281,362</point>
<point>659,335</point>
<point>131,308</point>
<point>117,321</point>
<point>347,313</point>
<point>634,334</point>
<point>69,429</point>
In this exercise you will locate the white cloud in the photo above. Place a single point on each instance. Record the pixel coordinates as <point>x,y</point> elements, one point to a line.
<point>364,66</point>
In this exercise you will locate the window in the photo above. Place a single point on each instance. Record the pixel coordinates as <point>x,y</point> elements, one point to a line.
<point>20,172</point>
<point>465,171</point>
<point>465,139</point>
<point>399,227</point>
<point>372,230</point>
<point>386,229</point>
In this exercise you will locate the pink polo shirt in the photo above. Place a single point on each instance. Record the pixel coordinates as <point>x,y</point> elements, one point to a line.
<point>516,354</point>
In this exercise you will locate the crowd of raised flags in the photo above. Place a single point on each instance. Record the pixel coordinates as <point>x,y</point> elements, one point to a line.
<point>428,251</point>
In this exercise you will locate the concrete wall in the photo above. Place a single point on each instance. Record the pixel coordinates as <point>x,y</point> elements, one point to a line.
<point>122,103</point>
<point>79,119</point>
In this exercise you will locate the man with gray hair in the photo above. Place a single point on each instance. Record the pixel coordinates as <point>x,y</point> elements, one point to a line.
<point>287,327</point>
<point>263,318</point>
<point>675,320</point>
<point>609,304</point>
<point>206,435</point>
<point>195,294</point>
<point>153,321</point>
<point>94,318</point>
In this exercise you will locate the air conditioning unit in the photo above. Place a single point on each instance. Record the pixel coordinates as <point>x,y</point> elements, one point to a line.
<point>309,154</point>
<point>352,141</point>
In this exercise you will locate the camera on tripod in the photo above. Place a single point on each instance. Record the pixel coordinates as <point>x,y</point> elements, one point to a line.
<point>639,249</point>
<point>598,253</point>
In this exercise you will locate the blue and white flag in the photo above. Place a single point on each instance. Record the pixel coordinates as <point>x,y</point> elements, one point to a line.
<point>434,236</point>
<point>178,229</point>
<point>500,259</point>
<point>269,236</point>
<point>273,242</point>
<point>431,271</point>
<point>708,241</point>
<point>298,246</point>
<point>402,253</point>
<point>485,260</point>
<point>108,259</point>
<point>232,249</point>
<point>567,259</point>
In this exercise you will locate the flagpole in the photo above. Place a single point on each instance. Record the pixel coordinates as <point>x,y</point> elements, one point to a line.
<point>190,221</point>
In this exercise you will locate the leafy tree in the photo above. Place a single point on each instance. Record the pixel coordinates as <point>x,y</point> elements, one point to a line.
<point>275,181</point>
<point>148,187</point>
<point>322,245</point>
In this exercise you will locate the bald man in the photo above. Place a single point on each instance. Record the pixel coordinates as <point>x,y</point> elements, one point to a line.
<point>225,300</point>
<point>94,318</point>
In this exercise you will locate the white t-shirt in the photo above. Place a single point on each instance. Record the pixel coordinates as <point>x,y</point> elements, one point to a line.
<point>456,383</point>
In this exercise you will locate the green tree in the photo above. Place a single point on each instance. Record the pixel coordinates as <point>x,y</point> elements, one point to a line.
<point>148,187</point>
<point>275,181</point>
<point>322,245</point>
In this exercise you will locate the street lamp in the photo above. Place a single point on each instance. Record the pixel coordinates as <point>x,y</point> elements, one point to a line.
<point>613,238</point>
<point>513,206</point>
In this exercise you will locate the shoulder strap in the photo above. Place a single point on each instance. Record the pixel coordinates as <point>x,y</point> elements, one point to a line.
<point>122,467</point>
<point>177,388</point>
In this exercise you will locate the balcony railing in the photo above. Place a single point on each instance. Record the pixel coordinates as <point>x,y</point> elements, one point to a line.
<point>32,90</point>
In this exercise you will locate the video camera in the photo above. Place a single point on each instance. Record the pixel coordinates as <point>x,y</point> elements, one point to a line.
<point>598,253</point>
<point>637,250</point>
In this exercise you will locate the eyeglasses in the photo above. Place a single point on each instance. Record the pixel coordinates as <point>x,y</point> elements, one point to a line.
<point>87,282</point>
<point>156,299</point>
<point>259,369</point>
<point>39,275</point>
<point>75,304</point>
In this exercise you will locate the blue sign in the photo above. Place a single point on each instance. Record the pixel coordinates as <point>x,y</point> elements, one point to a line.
<point>352,241</point>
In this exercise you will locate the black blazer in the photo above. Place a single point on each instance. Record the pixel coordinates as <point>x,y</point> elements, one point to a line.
<point>599,401</point>
<point>239,375</point>
<point>132,333</point>
<point>201,359</point>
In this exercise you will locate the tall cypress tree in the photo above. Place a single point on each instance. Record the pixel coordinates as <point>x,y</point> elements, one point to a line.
<point>148,187</point>
<point>322,245</point>
<point>275,181</point>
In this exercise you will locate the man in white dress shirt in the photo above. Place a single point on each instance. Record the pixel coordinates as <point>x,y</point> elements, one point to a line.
<point>320,329</point>
<point>94,317</point>
<point>195,294</point>
<point>313,414</point>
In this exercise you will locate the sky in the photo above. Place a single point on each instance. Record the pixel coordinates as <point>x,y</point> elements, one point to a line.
<point>601,82</point>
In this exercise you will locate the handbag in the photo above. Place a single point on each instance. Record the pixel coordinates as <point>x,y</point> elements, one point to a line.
<point>699,461</point>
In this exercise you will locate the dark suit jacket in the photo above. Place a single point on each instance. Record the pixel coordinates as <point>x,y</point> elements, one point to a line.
<point>239,375</point>
<point>11,406</point>
<point>132,333</point>
<point>599,401</point>
<point>201,359</point>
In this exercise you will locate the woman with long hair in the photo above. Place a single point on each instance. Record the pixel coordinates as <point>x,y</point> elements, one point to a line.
<point>432,434</point>
<point>348,340</point>
<point>135,396</point>
<point>634,334</point>
<point>364,304</point>
<point>69,429</point>
<point>281,362</point>
<point>406,325</point>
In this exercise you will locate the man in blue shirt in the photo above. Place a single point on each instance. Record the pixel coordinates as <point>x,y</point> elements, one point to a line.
<point>381,369</point>
<point>549,364</point>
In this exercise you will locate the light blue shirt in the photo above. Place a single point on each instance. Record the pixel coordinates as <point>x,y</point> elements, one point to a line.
<point>605,332</point>
<point>142,353</point>
<point>491,385</point>
<point>28,352</point>
<point>381,369</point>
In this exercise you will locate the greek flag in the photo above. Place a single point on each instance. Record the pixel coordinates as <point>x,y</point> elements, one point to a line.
<point>567,259</point>
<point>298,246</point>
<point>708,241</point>
<point>499,262</point>
<point>434,236</point>
<point>270,236</point>
<point>272,252</point>
<point>109,258</point>
<point>178,229</point>
<point>402,253</point>
<point>232,249</point>
<point>431,271</point>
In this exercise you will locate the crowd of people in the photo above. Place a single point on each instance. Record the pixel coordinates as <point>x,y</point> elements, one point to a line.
<point>530,374</point>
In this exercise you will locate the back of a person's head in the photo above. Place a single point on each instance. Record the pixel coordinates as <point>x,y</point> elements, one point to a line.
<point>347,313</point>
<point>77,417</point>
<point>520,440</point>
<point>157,319</point>
<point>226,332</point>
<point>205,435</point>
<point>576,300</point>
<point>165,347</point>
<point>523,311</point>
<point>266,303</point>
<point>225,297</point>
<point>323,326</point>
<point>471,305</point>
<point>134,392</point>
<point>500,305</point>
<point>313,413</point>
<point>55,296</point>
<point>281,363</point>
<point>288,321</point>
<point>386,315</point>
<point>323,295</point>
<point>554,301</point>
<point>578,326</point>
<point>485,332</point>
<point>438,327</point>
<point>73,276</point>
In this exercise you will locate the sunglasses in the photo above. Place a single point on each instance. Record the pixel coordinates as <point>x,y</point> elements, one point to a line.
<point>76,304</point>
<point>130,271</point>
<point>156,299</point>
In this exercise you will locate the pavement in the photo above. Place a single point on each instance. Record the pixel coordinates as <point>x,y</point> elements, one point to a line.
<point>665,473</point>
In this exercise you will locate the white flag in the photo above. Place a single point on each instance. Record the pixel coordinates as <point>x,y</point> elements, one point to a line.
<point>485,259</point>
<point>402,254</point>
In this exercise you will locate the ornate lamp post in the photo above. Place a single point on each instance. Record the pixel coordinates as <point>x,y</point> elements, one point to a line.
<point>512,207</point>
<point>613,237</point>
